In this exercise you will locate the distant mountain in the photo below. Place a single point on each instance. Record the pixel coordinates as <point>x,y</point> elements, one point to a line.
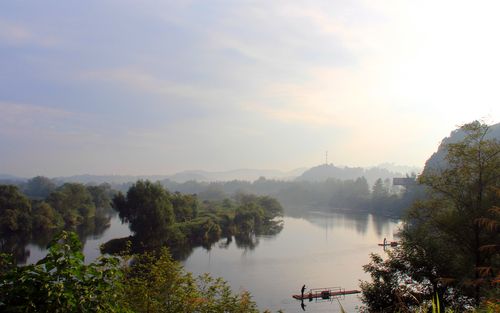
<point>239,174</point>
<point>99,179</point>
<point>323,172</point>
<point>184,176</point>
<point>11,179</point>
<point>437,160</point>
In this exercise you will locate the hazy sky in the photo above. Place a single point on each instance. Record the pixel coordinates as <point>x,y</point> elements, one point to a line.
<point>155,87</point>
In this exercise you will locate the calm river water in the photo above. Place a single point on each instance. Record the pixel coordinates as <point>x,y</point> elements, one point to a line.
<point>316,249</point>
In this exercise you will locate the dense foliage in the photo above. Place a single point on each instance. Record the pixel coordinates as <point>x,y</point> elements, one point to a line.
<point>15,211</point>
<point>61,282</point>
<point>74,206</point>
<point>159,284</point>
<point>159,218</point>
<point>148,210</point>
<point>450,247</point>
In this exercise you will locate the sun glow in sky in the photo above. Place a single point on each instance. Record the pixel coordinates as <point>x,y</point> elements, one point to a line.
<point>156,87</point>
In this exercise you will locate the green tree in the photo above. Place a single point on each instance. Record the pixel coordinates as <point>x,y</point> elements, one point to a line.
<point>61,282</point>
<point>461,195</point>
<point>148,209</point>
<point>101,195</point>
<point>185,207</point>
<point>74,202</point>
<point>447,247</point>
<point>15,211</point>
<point>272,208</point>
<point>159,284</point>
<point>46,217</point>
<point>39,187</point>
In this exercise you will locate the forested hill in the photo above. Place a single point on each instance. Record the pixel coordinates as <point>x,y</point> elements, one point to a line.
<point>326,171</point>
<point>437,160</point>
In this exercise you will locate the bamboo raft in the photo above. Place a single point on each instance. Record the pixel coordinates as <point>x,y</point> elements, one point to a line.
<point>389,244</point>
<point>325,293</point>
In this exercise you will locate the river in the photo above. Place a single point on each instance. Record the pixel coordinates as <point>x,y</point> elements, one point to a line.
<point>316,249</point>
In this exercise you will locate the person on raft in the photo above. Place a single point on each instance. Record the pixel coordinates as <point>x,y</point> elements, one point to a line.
<point>302,291</point>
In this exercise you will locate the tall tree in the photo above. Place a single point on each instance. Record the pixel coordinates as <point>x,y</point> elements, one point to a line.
<point>461,195</point>
<point>39,187</point>
<point>448,246</point>
<point>148,209</point>
<point>15,211</point>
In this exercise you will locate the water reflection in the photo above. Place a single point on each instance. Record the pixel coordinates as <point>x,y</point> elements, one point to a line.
<point>359,222</point>
<point>21,245</point>
<point>355,221</point>
<point>15,245</point>
<point>244,240</point>
<point>316,248</point>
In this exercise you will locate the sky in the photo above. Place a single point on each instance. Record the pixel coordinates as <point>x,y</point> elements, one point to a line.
<point>157,87</point>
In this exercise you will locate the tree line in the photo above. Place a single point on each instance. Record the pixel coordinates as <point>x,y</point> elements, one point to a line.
<point>46,209</point>
<point>297,196</point>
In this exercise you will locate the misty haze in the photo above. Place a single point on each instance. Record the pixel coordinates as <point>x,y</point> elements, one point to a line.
<point>262,156</point>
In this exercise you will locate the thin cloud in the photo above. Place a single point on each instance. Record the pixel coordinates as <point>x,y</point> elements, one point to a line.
<point>20,111</point>
<point>18,34</point>
<point>144,81</point>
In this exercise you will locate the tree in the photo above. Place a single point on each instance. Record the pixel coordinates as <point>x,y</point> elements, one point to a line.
<point>61,282</point>
<point>461,195</point>
<point>15,211</point>
<point>74,202</point>
<point>46,217</point>
<point>447,247</point>
<point>148,209</point>
<point>15,222</point>
<point>157,283</point>
<point>39,187</point>
<point>101,195</point>
<point>185,206</point>
<point>380,195</point>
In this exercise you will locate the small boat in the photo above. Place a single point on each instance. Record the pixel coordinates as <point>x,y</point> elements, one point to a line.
<point>391,244</point>
<point>325,293</point>
<point>387,243</point>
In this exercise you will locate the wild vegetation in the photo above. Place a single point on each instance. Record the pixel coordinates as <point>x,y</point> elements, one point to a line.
<point>450,246</point>
<point>61,282</point>
<point>39,210</point>
<point>159,218</point>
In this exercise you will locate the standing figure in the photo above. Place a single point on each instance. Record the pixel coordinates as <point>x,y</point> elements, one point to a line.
<point>302,291</point>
